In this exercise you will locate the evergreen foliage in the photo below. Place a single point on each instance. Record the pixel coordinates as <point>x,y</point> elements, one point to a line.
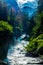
<point>36,36</point>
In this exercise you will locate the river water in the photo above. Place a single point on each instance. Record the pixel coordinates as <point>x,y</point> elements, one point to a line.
<point>16,54</point>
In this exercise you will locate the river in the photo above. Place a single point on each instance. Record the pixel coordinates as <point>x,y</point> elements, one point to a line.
<point>16,54</point>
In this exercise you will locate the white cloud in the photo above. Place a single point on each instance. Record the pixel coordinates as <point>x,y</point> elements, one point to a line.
<point>24,1</point>
<point>20,2</point>
<point>31,3</point>
<point>31,0</point>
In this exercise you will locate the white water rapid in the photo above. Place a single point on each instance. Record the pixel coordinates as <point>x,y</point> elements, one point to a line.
<point>16,54</point>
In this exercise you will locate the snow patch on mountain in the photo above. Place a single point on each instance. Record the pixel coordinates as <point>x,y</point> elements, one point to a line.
<point>28,6</point>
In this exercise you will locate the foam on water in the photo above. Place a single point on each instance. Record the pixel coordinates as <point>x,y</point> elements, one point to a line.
<point>16,55</point>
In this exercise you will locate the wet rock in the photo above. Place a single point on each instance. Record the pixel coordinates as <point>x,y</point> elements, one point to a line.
<point>31,55</point>
<point>28,55</point>
<point>18,48</point>
<point>36,63</point>
<point>35,55</point>
<point>21,50</point>
<point>41,62</point>
<point>3,63</point>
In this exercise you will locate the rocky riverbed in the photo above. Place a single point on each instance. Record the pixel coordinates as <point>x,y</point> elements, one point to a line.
<point>17,56</point>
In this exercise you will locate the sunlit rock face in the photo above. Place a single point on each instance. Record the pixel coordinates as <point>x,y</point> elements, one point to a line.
<point>28,6</point>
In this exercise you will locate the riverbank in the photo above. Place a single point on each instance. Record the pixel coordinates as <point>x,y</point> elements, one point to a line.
<point>17,55</point>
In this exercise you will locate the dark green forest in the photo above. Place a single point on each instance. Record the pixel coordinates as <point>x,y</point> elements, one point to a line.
<point>36,34</point>
<point>16,23</point>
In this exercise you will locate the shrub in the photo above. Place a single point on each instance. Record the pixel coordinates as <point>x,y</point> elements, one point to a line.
<point>36,45</point>
<point>5,26</point>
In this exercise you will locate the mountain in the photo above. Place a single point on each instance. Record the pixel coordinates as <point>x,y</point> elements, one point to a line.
<point>40,7</point>
<point>28,7</point>
<point>11,3</point>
